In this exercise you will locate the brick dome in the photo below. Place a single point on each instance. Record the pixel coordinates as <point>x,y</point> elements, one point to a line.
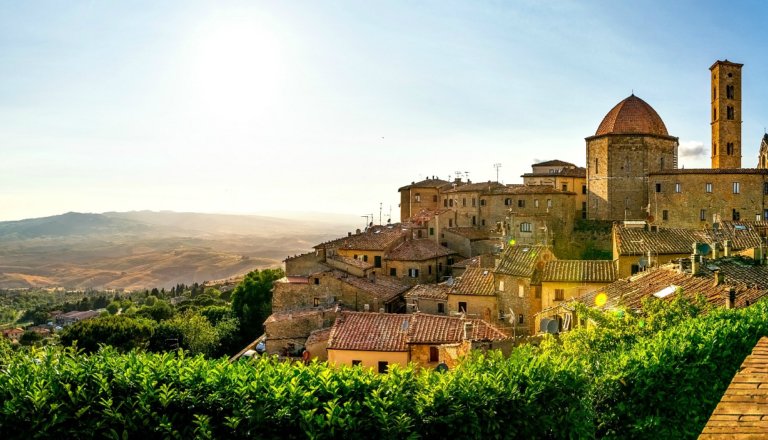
<point>632,116</point>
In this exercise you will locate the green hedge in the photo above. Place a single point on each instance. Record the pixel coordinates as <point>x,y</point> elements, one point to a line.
<point>663,385</point>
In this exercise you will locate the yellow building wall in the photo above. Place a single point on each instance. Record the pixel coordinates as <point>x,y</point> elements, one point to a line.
<point>625,262</point>
<point>369,359</point>
<point>570,290</point>
<point>351,253</point>
<point>478,306</point>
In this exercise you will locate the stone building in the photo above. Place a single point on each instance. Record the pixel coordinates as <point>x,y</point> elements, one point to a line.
<point>425,194</point>
<point>562,175</point>
<point>631,142</point>
<point>286,332</point>
<point>726,114</point>
<point>762,160</point>
<point>418,261</point>
<point>428,298</point>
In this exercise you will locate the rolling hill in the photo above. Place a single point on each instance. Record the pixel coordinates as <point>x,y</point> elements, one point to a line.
<point>144,249</point>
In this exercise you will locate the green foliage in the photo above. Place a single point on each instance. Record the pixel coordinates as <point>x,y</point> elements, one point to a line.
<point>122,332</point>
<point>113,307</point>
<point>252,301</point>
<point>194,332</point>
<point>657,374</point>
<point>157,311</point>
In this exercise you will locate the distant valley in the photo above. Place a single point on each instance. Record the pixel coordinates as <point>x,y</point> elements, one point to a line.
<point>144,249</point>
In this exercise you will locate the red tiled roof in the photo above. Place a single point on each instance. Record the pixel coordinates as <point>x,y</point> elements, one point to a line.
<point>375,238</point>
<point>470,232</point>
<point>749,282</point>
<point>635,241</point>
<point>565,172</point>
<point>530,189</point>
<point>743,411</point>
<point>474,281</point>
<point>475,187</point>
<point>385,288</point>
<point>393,332</point>
<point>484,260</point>
<point>318,336</point>
<point>425,214</point>
<point>632,116</point>
<point>418,250</point>
<point>553,163</point>
<point>580,271</point>
<point>709,171</point>
<point>522,260</point>
<point>360,264</point>
<point>426,183</point>
<point>429,291</point>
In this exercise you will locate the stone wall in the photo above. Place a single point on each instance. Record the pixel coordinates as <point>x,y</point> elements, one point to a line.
<point>293,328</point>
<point>304,264</point>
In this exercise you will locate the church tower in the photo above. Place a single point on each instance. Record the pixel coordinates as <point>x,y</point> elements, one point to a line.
<point>726,114</point>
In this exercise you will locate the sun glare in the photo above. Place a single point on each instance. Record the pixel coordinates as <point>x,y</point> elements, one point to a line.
<point>236,72</point>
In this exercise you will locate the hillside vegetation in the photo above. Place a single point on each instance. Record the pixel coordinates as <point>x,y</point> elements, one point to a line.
<point>138,250</point>
<point>657,375</point>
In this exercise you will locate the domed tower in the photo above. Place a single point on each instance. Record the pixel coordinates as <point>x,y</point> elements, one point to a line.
<point>630,142</point>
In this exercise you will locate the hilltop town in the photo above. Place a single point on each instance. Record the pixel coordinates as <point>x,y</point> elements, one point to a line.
<point>489,265</point>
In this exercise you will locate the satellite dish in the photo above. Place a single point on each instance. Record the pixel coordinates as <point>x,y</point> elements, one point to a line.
<point>703,248</point>
<point>441,367</point>
<point>543,325</point>
<point>553,327</point>
<point>642,262</point>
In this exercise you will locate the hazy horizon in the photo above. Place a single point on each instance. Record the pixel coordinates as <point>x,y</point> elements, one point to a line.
<point>252,107</point>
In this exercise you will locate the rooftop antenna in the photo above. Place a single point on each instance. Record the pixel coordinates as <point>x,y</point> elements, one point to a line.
<point>497,166</point>
<point>380,205</point>
<point>366,219</point>
<point>466,175</point>
<point>458,174</point>
<point>389,219</point>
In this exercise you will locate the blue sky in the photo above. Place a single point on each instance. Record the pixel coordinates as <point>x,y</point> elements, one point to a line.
<point>327,106</point>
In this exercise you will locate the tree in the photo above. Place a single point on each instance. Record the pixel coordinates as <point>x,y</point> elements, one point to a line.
<point>159,311</point>
<point>121,332</point>
<point>113,308</point>
<point>252,301</point>
<point>196,334</point>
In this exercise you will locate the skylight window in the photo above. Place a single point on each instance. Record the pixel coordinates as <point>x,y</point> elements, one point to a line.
<point>665,292</point>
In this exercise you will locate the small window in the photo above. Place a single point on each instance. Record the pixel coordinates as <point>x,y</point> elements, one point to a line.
<point>413,273</point>
<point>736,215</point>
<point>429,269</point>
<point>434,198</point>
<point>440,308</point>
<point>508,202</point>
<point>383,367</point>
<point>482,202</point>
<point>445,203</point>
<point>392,272</point>
<point>482,222</point>
<point>317,280</point>
<point>434,354</point>
<point>635,269</point>
<point>661,163</point>
<point>474,202</point>
<point>765,187</point>
<point>714,114</point>
<point>365,258</point>
<point>736,187</point>
<point>729,114</point>
<point>439,267</point>
<point>521,290</point>
<point>559,294</point>
<point>474,220</point>
<point>765,214</point>
<point>525,227</point>
<point>356,362</point>
<point>450,222</point>
<point>678,187</point>
<point>462,307</point>
<point>597,168</point>
<point>583,189</point>
<point>377,260</point>
<point>521,318</point>
<point>708,187</point>
<point>431,231</point>
<point>714,92</point>
<point>501,285</point>
<point>665,215</point>
<point>315,302</point>
<point>418,197</point>
<point>703,215</point>
<point>549,203</point>
<point>536,203</point>
<point>565,187</point>
<point>729,92</point>
<point>729,148</point>
<point>464,202</point>
<point>658,187</point>
<point>521,203</point>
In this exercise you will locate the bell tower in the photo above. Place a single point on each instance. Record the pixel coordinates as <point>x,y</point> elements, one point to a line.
<point>726,114</point>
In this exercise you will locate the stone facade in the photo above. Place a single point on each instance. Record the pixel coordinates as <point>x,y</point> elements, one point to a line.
<point>304,264</point>
<point>696,198</point>
<point>726,114</point>
<point>291,329</point>
<point>617,173</point>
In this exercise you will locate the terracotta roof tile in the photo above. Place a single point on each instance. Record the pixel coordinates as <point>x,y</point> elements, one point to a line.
<point>743,411</point>
<point>710,171</point>
<point>385,288</point>
<point>635,241</point>
<point>484,260</point>
<point>474,281</point>
<point>565,172</point>
<point>319,336</point>
<point>426,183</point>
<point>376,238</point>
<point>470,232</point>
<point>583,271</point>
<point>418,250</point>
<point>632,116</point>
<point>475,187</point>
<point>393,332</point>
<point>553,163</point>
<point>354,262</point>
<point>429,291</point>
<point>749,282</point>
<point>522,260</point>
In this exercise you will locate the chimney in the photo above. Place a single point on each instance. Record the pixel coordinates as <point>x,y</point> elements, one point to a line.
<point>373,277</point>
<point>719,277</point>
<point>349,234</point>
<point>357,231</point>
<point>726,248</point>
<point>695,261</point>
<point>467,330</point>
<point>730,300</point>
<point>714,251</point>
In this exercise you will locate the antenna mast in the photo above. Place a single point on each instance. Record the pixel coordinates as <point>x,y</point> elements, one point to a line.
<point>497,166</point>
